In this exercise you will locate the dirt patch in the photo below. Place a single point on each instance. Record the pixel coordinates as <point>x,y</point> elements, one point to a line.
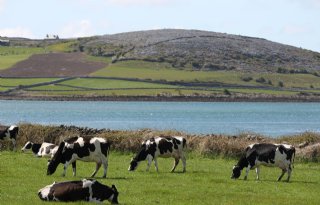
<point>53,65</point>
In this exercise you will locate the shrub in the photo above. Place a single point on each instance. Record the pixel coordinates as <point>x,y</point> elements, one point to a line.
<point>226,92</point>
<point>282,70</point>
<point>280,84</point>
<point>261,80</point>
<point>196,65</point>
<point>246,78</point>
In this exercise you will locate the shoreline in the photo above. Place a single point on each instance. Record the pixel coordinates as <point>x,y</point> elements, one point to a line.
<point>224,98</point>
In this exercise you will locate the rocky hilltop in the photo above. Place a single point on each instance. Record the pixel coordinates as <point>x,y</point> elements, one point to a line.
<point>203,50</point>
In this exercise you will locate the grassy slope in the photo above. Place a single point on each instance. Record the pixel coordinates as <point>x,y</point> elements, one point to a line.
<point>163,71</point>
<point>11,55</point>
<point>156,71</point>
<point>207,181</point>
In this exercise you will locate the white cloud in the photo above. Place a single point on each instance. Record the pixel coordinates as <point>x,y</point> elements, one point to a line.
<point>77,29</point>
<point>16,32</point>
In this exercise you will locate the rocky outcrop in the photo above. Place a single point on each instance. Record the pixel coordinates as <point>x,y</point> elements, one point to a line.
<point>203,50</point>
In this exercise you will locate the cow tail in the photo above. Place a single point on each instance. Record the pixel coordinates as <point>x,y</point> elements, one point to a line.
<point>184,143</point>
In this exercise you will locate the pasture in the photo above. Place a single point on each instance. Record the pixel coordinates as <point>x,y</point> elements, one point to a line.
<point>207,181</point>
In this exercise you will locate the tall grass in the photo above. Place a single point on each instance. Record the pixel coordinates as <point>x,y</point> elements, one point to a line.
<point>307,144</point>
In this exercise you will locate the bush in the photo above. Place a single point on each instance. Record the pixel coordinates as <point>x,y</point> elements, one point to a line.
<point>280,84</point>
<point>226,92</point>
<point>261,80</point>
<point>246,78</point>
<point>282,70</point>
<point>196,65</point>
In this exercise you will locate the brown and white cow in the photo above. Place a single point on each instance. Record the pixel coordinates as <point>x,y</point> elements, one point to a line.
<point>275,155</point>
<point>165,147</point>
<point>44,149</point>
<point>79,148</point>
<point>84,190</point>
<point>9,134</point>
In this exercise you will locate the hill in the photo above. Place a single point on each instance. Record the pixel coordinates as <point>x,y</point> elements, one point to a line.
<point>203,50</point>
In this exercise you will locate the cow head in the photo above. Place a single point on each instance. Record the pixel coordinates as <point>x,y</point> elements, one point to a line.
<point>52,167</point>
<point>142,155</point>
<point>133,164</point>
<point>28,145</point>
<point>56,159</point>
<point>236,172</point>
<point>115,195</point>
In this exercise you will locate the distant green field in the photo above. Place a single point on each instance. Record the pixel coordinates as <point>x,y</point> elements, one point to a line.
<point>157,71</point>
<point>107,84</point>
<point>23,81</point>
<point>12,55</point>
<point>61,47</point>
<point>207,181</point>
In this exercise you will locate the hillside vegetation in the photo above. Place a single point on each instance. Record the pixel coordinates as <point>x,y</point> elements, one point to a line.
<point>165,63</point>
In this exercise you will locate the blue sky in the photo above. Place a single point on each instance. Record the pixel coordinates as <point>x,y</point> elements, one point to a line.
<point>293,22</point>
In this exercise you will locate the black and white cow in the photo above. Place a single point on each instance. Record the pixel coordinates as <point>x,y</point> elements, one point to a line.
<point>84,190</point>
<point>276,155</point>
<point>44,149</point>
<point>153,148</point>
<point>84,149</point>
<point>10,134</point>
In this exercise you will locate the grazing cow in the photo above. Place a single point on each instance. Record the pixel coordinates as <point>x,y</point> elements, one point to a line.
<point>41,150</point>
<point>276,155</point>
<point>84,149</point>
<point>9,133</point>
<point>84,190</point>
<point>161,147</point>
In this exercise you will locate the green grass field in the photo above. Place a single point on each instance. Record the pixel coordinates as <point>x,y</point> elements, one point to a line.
<point>207,181</point>
<point>157,71</point>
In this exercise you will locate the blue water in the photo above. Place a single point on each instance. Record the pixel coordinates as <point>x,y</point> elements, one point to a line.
<point>270,119</point>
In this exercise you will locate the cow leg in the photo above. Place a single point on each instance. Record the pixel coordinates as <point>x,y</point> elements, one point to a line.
<point>176,162</point>
<point>289,173</point>
<point>74,168</point>
<point>98,165</point>
<point>258,172</point>
<point>283,172</point>
<point>247,172</point>
<point>184,163</point>
<point>149,163</point>
<point>105,167</point>
<point>14,143</point>
<point>65,166</point>
<point>156,164</point>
